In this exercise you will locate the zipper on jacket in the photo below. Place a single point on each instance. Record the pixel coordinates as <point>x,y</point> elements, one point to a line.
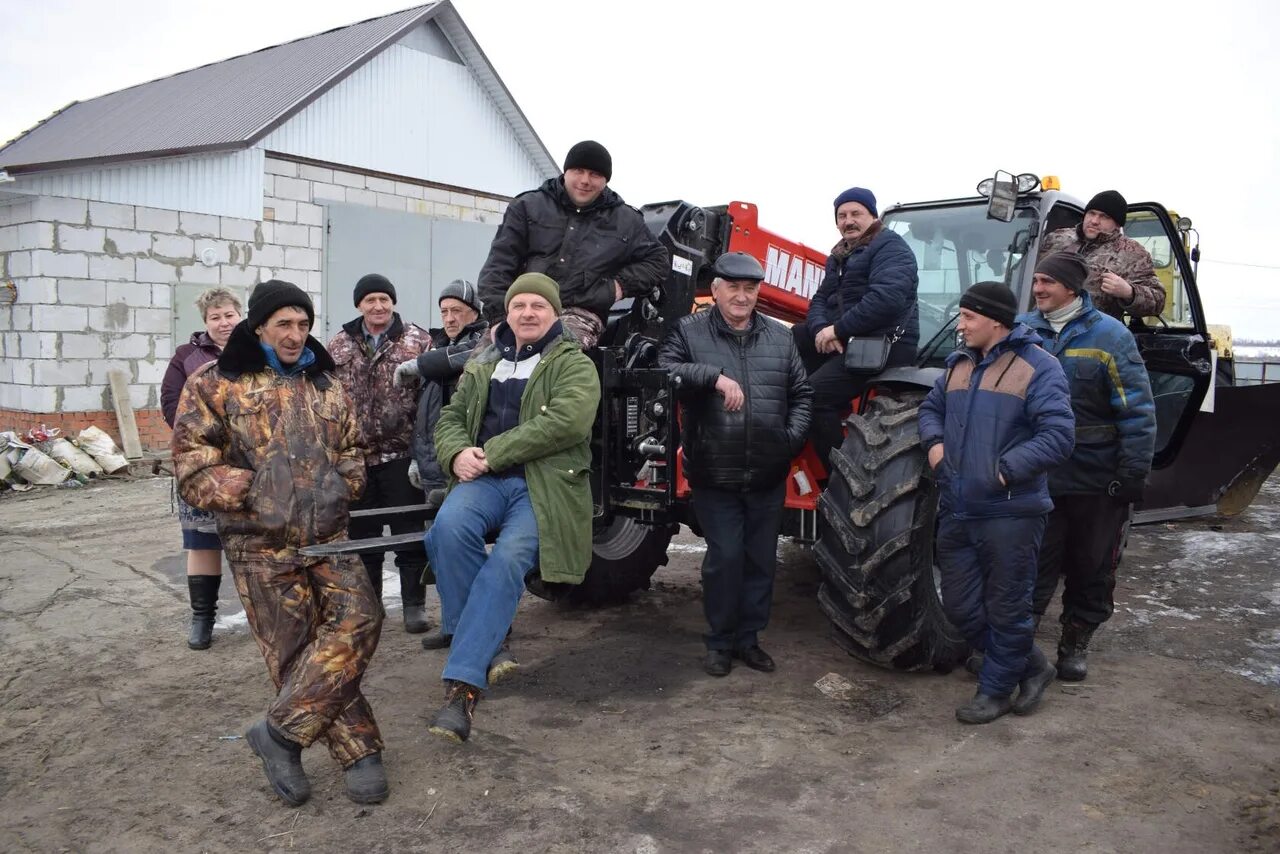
<point>746,402</point>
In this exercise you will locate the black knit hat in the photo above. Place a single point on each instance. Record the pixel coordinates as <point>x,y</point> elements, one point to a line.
<point>374,283</point>
<point>993,300</point>
<point>1066,268</point>
<point>1110,203</point>
<point>590,154</point>
<point>271,296</point>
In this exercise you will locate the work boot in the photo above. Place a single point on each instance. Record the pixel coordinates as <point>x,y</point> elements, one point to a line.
<point>503,666</point>
<point>367,780</point>
<point>203,590</point>
<point>1073,650</point>
<point>413,594</point>
<point>718,662</point>
<point>1035,680</point>
<point>983,709</point>
<point>282,760</point>
<point>755,658</point>
<point>973,663</point>
<point>437,640</point>
<point>415,619</point>
<point>454,720</point>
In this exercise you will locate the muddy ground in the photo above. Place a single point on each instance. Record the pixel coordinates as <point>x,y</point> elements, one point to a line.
<point>115,737</point>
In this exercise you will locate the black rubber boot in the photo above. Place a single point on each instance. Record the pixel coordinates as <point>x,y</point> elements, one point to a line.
<point>973,664</point>
<point>1034,682</point>
<point>282,760</point>
<point>437,640</point>
<point>454,720</point>
<point>983,709</point>
<point>1073,651</point>
<point>203,590</point>
<point>367,780</point>
<point>414,595</point>
<point>435,497</point>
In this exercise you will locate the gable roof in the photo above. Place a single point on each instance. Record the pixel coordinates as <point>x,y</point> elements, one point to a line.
<point>233,104</point>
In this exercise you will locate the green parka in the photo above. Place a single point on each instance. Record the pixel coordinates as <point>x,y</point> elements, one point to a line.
<point>551,440</point>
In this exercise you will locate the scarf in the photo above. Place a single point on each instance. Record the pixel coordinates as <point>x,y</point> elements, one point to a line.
<point>1069,312</point>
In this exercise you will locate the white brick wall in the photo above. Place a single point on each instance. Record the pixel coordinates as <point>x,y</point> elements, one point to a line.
<point>95,280</point>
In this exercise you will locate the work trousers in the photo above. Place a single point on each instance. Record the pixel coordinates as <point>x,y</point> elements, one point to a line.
<point>1082,546</point>
<point>741,532</point>
<point>388,486</point>
<point>317,624</point>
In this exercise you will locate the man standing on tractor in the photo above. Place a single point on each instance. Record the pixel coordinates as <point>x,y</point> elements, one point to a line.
<point>1115,429</point>
<point>516,438</point>
<point>1121,278</point>
<point>869,291</point>
<point>994,425</point>
<point>746,408</point>
<point>580,233</point>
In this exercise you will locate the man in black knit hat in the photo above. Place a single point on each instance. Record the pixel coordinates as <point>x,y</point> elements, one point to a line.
<point>580,233</point>
<point>994,425</point>
<point>1121,277</point>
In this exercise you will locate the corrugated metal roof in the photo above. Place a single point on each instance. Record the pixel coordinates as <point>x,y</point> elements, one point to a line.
<point>229,104</point>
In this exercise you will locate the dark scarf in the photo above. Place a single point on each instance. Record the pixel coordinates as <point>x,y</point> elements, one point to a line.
<point>847,247</point>
<point>244,355</point>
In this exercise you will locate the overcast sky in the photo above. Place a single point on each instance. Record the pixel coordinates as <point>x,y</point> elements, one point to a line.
<point>786,104</point>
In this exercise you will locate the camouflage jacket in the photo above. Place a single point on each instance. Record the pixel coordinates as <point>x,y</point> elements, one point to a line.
<point>277,459</point>
<point>385,413</point>
<point>1112,253</point>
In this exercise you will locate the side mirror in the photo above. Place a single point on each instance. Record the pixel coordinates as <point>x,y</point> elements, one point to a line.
<point>1004,197</point>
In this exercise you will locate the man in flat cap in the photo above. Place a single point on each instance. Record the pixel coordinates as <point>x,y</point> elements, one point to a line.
<point>579,232</point>
<point>1093,493</point>
<point>746,407</point>
<point>1121,278</point>
<point>994,425</point>
<point>266,440</point>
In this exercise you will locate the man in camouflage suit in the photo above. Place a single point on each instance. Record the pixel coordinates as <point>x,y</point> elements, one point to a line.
<point>1121,278</point>
<point>266,440</point>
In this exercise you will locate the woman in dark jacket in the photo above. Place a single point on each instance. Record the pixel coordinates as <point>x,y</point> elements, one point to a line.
<point>220,309</point>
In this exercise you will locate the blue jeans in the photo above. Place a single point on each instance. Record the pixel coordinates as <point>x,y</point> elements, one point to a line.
<point>479,590</point>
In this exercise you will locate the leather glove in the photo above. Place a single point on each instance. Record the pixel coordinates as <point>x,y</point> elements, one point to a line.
<point>1126,491</point>
<point>415,477</point>
<point>406,373</point>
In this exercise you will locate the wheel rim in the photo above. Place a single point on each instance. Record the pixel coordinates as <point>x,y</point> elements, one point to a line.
<point>620,539</point>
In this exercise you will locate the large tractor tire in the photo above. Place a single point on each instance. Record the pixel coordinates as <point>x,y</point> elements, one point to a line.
<point>875,546</point>
<point>625,555</point>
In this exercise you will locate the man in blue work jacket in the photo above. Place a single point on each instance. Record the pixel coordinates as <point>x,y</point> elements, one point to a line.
<point>994,426</point>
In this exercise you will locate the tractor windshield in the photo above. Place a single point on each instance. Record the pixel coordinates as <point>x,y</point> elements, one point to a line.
<point>957,246</point>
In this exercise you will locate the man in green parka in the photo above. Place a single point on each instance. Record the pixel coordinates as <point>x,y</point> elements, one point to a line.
<point>515,440</point>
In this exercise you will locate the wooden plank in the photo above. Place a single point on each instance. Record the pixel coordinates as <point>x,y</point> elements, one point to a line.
<point>129,439</point>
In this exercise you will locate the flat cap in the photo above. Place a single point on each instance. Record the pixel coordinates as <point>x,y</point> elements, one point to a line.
<point>738,266</point>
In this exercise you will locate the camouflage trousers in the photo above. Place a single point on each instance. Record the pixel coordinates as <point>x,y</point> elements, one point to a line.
<point>584,325</point>
<point>317,624</point>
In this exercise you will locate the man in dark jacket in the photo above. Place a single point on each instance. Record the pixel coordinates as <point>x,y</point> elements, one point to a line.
<point>994,425</point>
<point>746,405</point>
<point>266,440</point>
<point>1094,492</point>
<point>580,233</point>
<point>869,290</point>
<point>367,352</point>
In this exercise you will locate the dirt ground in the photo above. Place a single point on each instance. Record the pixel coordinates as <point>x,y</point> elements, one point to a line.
<point>115,737</point>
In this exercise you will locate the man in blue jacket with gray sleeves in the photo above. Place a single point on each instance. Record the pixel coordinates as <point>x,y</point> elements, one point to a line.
<point>1115,440</point>
<point>994,425</point>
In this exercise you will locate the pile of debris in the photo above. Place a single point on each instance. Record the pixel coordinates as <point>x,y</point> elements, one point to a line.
<point>46,459</point>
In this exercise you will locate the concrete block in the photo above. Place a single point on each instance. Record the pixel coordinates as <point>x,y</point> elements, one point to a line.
<point>315,173</point>
<point>164,347</point>
<point>198,225</point>
<point>155,219</point>
<point>57,209</point>
<point>380,185</point>
<point>20,317</point>
<point>6,373</point>
<point>22,369</point>
<point>362,197</point>
<point>409,191</point>
<point>85,345</point>
<point>142,396</point>
<point>151,372</point>
<point>310,214</point>
<point>132,294</point>
<point>328,192</point>
<point>474,215</point>
<point>281,167</point>
<point>485,203</point>
<point>268,185</point>
<point>38,291</point>
<point>28,344</point>
<point>233,228</point>
<point>390,202</point>
<point>37,345</point>
<point>105,214</point>
<point>199,274</point>
<point>34,235</point>
<point>37,398</point>
<point>316,237</point>
<point>348,179</point>
<point>292,188</point>
<point>298,277</point>
<point>9,238</point>
<point>117,269</point>
<point>265,233</point>
<point>288,234</point>
<point>221,250</point>
<point>61,372</point>
<point>73,238</point>
<point>239,277</point>
<point>15,265</point>
<point>17,213</point>
<point>283,210</point>
<point>152,271</point>
<point>10,396</point>
<point>302,259</point>
<point>462,200</point>
<point>153,320</point>
<point>135,346</point>
<point>173,246</point>
<point>435,194</point>
<point>315,284</point>
<point>116,317</point>
<point>446,211</point>
<point>162,296</point>
<point>98,371</point>
<point>270,255</point>
<point>70,265</point>
<point>82,292</point>
<point>123,242</point>
<point>419,206</point>
<point>85,398</point>
<point>59,318</point>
